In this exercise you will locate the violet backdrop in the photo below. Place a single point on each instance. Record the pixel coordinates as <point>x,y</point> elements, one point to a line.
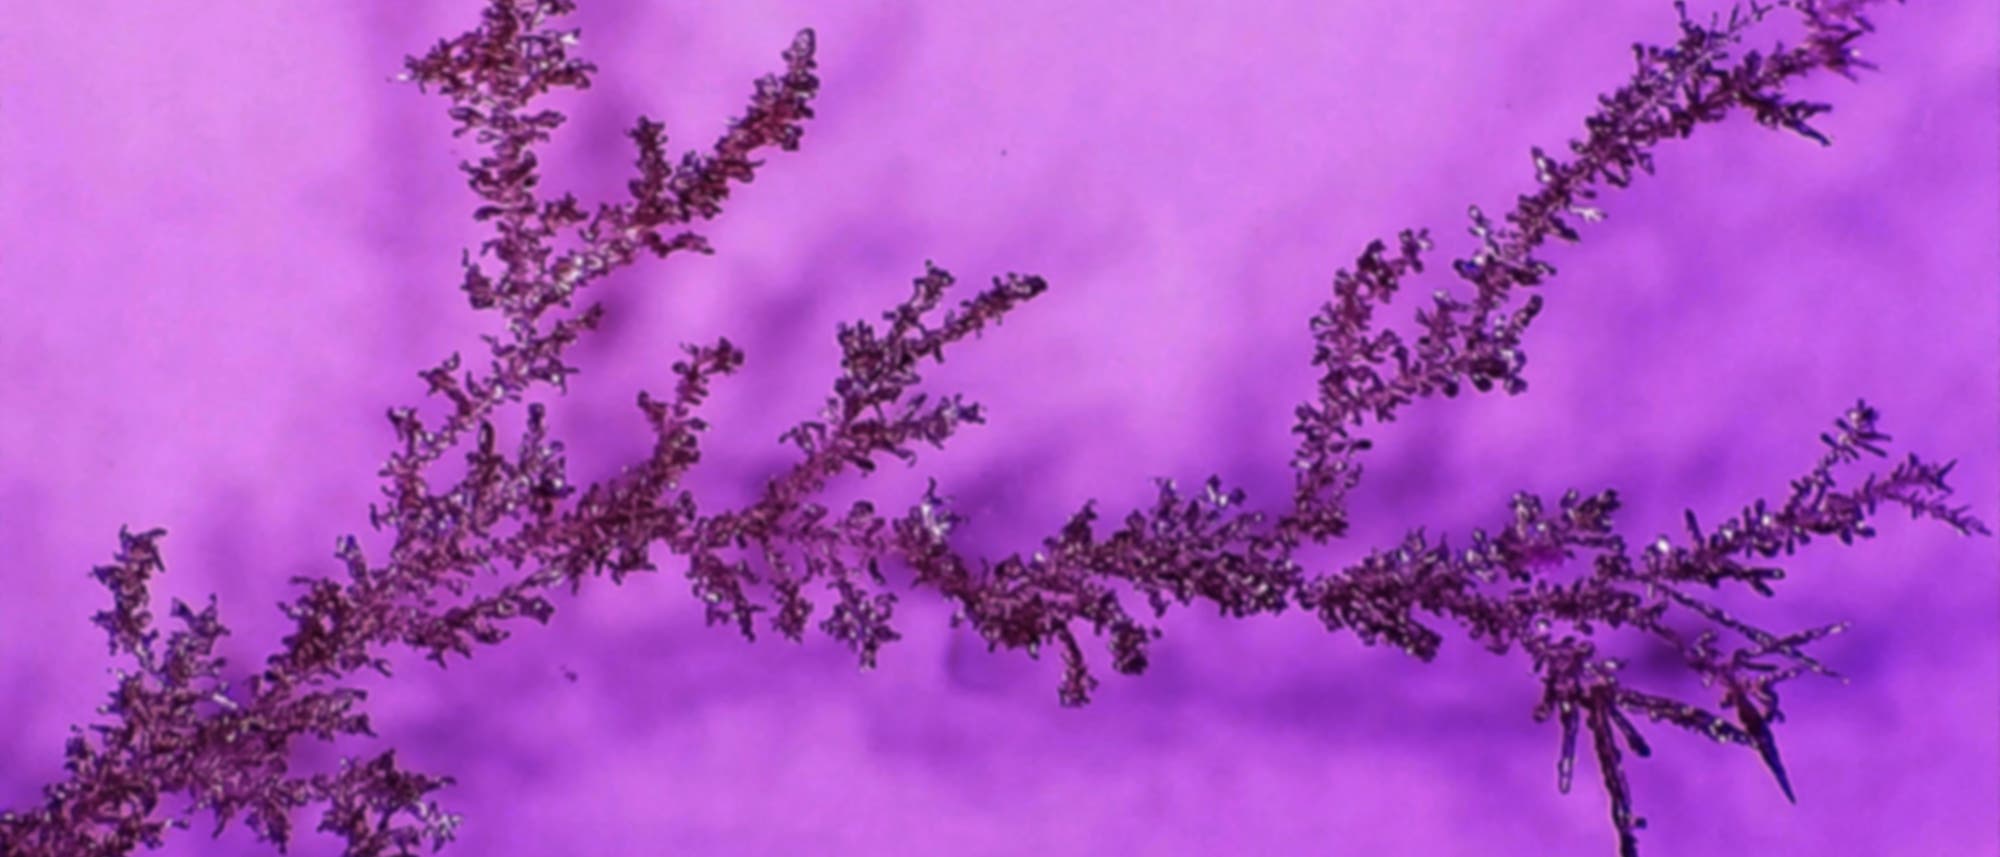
<point>230,242</point>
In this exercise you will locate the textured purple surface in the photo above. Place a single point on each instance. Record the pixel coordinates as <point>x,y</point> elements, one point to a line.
<point>230,242</point>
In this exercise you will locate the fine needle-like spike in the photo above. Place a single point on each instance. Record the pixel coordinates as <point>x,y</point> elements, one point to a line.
<point>1767,743</point>
<point>1566,766</point>
<point>1632,737</point>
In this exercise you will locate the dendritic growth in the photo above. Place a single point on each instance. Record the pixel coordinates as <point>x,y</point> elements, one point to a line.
<point>178,726</point>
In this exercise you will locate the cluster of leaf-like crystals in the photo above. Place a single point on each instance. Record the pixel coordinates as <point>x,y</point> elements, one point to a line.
<point>181,730</point>
<point>178,727</point>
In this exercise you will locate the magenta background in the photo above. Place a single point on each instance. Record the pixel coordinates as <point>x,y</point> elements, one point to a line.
<point>230,242</point>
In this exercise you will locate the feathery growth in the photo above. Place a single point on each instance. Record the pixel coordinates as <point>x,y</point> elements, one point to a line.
<point>179,727</point>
